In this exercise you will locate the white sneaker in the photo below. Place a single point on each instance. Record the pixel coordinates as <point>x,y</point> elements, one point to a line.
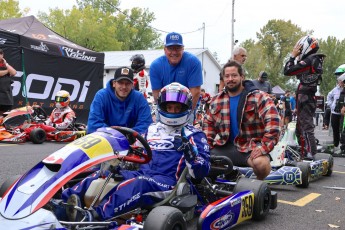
<point>336,150</point>
<point>310,156</point>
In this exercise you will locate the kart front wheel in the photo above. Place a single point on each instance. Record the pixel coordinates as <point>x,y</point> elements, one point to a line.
<point>329,158</point>
<point>38,136</point>
<point>262,196</point>
<point>306,171</point>
<point>165,218</point>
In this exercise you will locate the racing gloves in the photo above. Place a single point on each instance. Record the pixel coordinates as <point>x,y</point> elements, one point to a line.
<point>182,144</point>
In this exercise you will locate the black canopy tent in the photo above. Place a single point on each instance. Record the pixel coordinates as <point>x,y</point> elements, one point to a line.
<point>46,63</point>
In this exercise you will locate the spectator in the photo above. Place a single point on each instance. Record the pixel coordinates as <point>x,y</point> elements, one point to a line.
<point>119,105</point>
<point>327,116</point>
<point>335,100</point>
<point>262,84</point>
<point>239,54</point>
<point>175,145</point>
<point>293,105</point>
<point>62,116</point>
<point>245,120</point>
<point>308,69</point>
<point>205,99</point>
<point>141,78</point>
<point>176,66</point>
<point>287,105</point>
<point>6,74</point>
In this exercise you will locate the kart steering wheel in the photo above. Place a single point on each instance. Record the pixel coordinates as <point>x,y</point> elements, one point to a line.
<point>39,113</point>
<point>137,156</point>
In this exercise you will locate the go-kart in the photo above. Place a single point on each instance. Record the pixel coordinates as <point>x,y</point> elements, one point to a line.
<point>290,167</point>
<point>214,201</point>
<point>27,124</point>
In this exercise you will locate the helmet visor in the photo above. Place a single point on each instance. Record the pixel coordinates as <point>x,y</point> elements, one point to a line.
<point>171,96</point>
<point>61,99</point>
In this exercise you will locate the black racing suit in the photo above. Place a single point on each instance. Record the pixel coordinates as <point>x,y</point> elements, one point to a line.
<point>308,71</point>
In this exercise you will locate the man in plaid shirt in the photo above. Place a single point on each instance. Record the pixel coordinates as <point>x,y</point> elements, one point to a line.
<point>245,120</point>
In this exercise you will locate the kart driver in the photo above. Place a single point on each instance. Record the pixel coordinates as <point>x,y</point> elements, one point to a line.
<point>175,145</point>
<point>62,117</point>
<point>306,64</point>
<point>141,77</point>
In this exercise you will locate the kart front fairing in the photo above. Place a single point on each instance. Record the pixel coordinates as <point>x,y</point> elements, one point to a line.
<point>35,188</point>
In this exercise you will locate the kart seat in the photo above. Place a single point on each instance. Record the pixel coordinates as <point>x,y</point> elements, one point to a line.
<point>220,165</point>
<point>95,188</point>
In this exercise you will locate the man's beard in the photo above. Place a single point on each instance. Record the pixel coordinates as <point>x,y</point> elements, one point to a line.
<point>234,89</point>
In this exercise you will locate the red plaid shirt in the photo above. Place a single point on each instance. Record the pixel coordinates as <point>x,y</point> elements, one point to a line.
<point>257,116</point>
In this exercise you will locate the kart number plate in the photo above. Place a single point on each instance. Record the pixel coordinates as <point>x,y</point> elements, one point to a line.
<point>247,207</point>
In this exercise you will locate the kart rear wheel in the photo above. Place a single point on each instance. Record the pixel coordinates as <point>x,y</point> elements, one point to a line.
<point>165,218</point>
<point>262,196</point>
<point>306,171</point>
<point>7,184</point>
<point>38,136</point>
<point>329,158</point>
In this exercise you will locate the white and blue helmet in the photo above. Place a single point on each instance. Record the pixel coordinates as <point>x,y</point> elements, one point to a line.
<point>174,92</point>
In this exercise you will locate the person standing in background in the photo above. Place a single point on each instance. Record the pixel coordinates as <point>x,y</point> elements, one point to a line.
<point>176,66</point>
<point>239,54</point>
<point>6,74</point>
<point>334,97</point>
<point>307,65</point>
<point>141,77</point>
<point>262,83</point>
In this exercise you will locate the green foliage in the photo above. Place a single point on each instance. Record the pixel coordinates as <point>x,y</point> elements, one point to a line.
<point>10,9</point>
<point>94,24</point>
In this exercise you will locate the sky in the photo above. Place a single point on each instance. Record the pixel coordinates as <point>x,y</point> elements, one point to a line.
<point>187,17</point>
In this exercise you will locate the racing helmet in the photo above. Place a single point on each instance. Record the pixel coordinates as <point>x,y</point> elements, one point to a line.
<point>62,99</point>
<point>340,70</point>
<point>174,92</point>
<point>309,46</point>
<point>138,62</point>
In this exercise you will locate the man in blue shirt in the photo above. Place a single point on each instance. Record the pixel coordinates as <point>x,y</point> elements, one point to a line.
<point>176,66</point>
<point>120,105</point>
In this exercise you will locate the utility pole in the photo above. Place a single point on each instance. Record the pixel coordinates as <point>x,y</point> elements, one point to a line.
<point>232,26</point>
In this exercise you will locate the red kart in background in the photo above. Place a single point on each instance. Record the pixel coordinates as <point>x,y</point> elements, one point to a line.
<point>27,124</point>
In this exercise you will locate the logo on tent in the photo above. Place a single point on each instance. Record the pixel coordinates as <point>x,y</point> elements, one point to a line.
<point>42,47</point>
<point>3,41</point>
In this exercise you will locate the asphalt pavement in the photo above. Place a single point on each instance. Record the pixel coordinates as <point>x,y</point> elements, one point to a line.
<point>320,206</point>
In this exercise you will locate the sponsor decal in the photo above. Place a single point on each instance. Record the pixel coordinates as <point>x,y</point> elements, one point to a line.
<point>42,47</point>
<point>127,203</point>
<point>52,86</point>
<point>222,222</point>
<point>2,41</point>
<point>77,54</point>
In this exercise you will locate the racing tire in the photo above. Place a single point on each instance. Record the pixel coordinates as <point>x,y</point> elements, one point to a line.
<point>165,218</point>
<point>38,136</point>
<point>262,196</point>
<point>329,158</point>
<point>306,174</point>
<point>8,183</point>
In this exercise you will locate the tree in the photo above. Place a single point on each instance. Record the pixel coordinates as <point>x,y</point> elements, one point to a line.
<point>96,25</point>
<point>10,9</point>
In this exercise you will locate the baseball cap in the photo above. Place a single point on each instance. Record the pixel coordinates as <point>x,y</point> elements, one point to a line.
<point>123,73</point>
<point>173,39</point>
<point>263,75</point>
